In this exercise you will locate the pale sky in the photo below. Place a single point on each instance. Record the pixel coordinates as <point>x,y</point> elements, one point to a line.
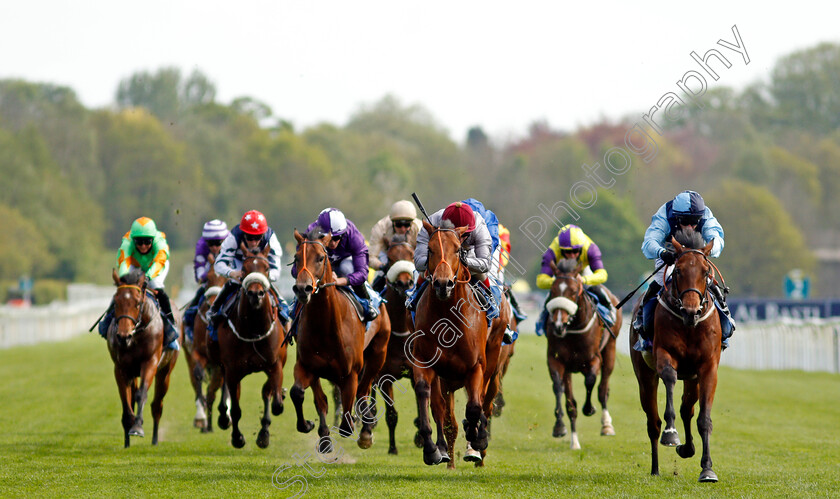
<point>500,65</point>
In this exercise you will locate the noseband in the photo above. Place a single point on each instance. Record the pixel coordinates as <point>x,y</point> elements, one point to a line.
<point>442,259</point>
<point>136,320</point>
<point>572,316</point>
<point>315,282</point>
<point>678,295</point>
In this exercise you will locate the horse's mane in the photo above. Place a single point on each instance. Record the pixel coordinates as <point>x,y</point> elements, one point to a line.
<point>135,276</point>
<point>690,238</point>
<point>567,265</point>
<point>446,224</point>
<point>315,234</point>
<point>399,238</point>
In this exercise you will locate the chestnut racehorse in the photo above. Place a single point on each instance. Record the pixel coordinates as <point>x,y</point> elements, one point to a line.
<point>578,342</point>
<point>452,349</point>
<point>332,343</point>
<point>135,341</point>
<point>199,357</point>
<point>686,346</point>
<point>250,341</point>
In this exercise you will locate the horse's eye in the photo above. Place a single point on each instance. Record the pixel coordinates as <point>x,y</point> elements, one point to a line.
<point>321,259</point>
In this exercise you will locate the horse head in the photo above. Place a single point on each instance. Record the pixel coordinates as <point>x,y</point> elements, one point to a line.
<point>255,267</point>
<point>400,264</point>
<point>691,276</point>
<point>130,311</point>
<point>566,291</point>
<point>444,248</point>
<point>312,263</point>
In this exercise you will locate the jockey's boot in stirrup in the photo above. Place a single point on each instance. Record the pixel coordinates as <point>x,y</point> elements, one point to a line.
<point>638,320</point>
<point>604,300</point>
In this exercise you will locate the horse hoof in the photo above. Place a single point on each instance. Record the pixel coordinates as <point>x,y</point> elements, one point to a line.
<point>588,410</point>
<point>262,439</point>
<point>136,431</point>
<point>607,431</point>
<point>472,455</point>
<point>238,441</point>
<point>277,408</point>
<point>418,440</point>
<point>670,438</point>
<point>365,440</point>
<point>207,429</point>
<point>434,457</point>
<point>444,456</point>
<point>200,423</point>
<point>325,446</point>
<point>685,451</point>
<point>305,427</point>
<point>708,476</point>
<point>559,430</point>
<point>224,422</point>
<point>393,451</point>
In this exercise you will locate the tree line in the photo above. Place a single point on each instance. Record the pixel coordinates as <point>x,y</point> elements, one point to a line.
<point>766,159</point>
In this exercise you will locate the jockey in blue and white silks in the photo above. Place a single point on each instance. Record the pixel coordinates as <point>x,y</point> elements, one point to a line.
<point>686,210</point>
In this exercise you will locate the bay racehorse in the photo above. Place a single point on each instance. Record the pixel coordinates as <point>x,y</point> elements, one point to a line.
<point>135,341</point>
<point>399,279</point>
<point>578,342</point>
<point>686,346</point>
<point>452,348</point>
<point>199,359</point>
<point>332,343</point>
<point>251,340</point>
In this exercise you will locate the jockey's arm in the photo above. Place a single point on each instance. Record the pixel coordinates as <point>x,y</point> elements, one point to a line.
<point>546,277</point>
<point>161,251</point>
<point>200,261</point>
<point>596,264</point>
<point>712,231</point>
<point>377,237</point>
<point>655,234</point>
<point>123,256</point>
<point>360,265</point>
<point>479,259</point>
<point>224,262</point>
<point>275,255</point>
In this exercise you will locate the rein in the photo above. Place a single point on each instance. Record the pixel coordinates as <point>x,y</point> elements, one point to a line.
<point>137,321</point>
<point>315,282</point>
<point>443,260</point>
<point>678,295</point>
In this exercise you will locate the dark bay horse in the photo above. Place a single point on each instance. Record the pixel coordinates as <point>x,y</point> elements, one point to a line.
<point>250,341</point>
<point>399,279</point>
<point>452,349</point>
<point>199,357</point>
<point>686,346</point>
<point>135,341</point>
<point>332,343</point>
<point>578,342</point>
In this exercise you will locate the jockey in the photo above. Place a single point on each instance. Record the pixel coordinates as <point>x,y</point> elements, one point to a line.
<point>348,255</point>
<point>254,231</point>
<point>686,210</point>
<point>572,242</point>
<point>402,220</point>
<point>210,243</point>
<point>145,248</point>
<point>477,249</point>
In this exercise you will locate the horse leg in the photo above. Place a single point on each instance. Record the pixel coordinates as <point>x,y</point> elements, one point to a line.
<point>571,410</point>
<point>447,427</point>
<point>708,384</point>
<point>325,444</point>
<point>196,375</point>
<point>670,436</point>
<point>125,388</point>
<point>475,424</point>
<point>349,385</point>
<point>423,391</point>
<point>265,420</point>
<point>590,375</point>
<point>147,371</point>
<point>339,410</point>
<point>232,382</point>
<point>391,416</point>
<point>161,387</point>
<point>556,369</point>
<point>214,384</point>
<point>648,385</point>
<point>302,381</point>
<point>607,365</point>
<point>689,398</point>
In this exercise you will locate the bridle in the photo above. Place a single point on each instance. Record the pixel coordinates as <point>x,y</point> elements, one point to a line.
<point>136,320</point>
<point>315,282</point>
<point>574,316</point>
<point>443,260</point>
<point>678,295</point>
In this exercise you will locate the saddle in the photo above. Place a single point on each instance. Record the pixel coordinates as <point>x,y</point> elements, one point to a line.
<point>348,292</point>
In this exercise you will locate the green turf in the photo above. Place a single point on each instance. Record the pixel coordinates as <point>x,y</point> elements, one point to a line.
<point>775,434</point>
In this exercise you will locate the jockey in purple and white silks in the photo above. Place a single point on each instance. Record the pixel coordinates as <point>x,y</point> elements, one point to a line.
<point>213,234</point>
<point>686,210</point>
<point>348,254</point>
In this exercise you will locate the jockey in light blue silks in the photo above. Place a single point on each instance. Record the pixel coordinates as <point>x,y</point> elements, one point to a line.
<point>686,210</point>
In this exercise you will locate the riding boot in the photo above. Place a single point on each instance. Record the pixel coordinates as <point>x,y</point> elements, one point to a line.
<point>601,293</point>
<point>282,307</point>
<point>366,299</point>
<point>215,315</point>
<point>719,293</point>
<point>638,320</point>
<point>419,288</point>
<point>517,310</point>
<point>379,281</point>
<point>199,293</point>
<point>105,323</point>
<point>170,334</point>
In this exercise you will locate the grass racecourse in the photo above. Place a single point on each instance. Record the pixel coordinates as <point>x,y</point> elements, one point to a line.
<point>776,434</point>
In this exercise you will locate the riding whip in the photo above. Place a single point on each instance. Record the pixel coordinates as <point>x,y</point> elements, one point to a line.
<point>98,321</point>
<point>624,300</point>
<point>420,205</point>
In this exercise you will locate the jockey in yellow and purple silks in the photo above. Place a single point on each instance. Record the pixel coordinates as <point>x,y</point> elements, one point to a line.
<point>572,242</point>
<point>145,248</point>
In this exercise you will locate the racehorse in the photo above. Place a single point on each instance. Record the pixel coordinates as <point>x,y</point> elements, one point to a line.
<point>135,341</point>
<point>452,348</point>
<point>686,346</point>
<point>332,343</point>
<point>505,355</point>
<point>399,279</point>
<point>203,356</point>
<point>578,342</point>
<point>251,340</point>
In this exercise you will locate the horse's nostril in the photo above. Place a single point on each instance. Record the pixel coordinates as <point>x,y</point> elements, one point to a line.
<point>308,288</point>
